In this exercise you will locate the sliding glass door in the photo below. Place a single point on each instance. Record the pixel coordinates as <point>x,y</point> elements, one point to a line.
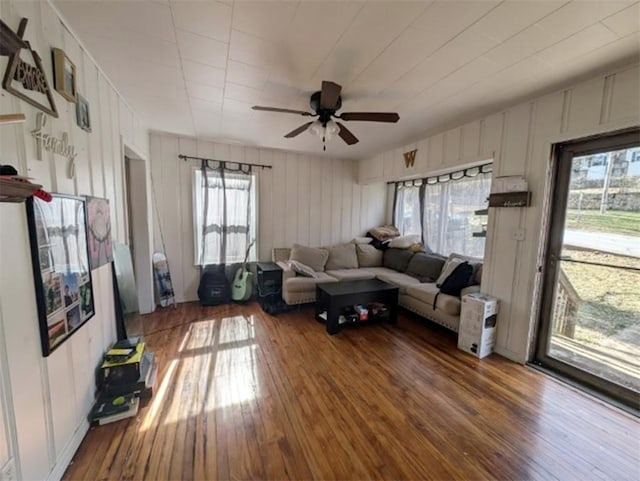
<point>589,328</point>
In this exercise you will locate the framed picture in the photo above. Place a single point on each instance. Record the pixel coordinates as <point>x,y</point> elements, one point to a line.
<point>82,113</point>
<point>99,226</point>
<point>60,258</point>
<point>64,75</point>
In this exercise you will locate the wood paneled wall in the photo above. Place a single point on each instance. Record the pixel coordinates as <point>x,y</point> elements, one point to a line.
<point>307,199</point>
<point>46,400</point>
<point>519,140</point>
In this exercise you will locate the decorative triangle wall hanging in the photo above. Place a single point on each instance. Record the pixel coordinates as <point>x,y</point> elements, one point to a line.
<point>26,81</point>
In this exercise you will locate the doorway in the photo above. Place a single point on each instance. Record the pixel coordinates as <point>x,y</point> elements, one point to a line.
<point>589,329</point>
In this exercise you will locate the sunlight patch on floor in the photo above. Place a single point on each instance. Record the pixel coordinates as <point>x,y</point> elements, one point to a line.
<point>159,397</point>
<point>236,329</point>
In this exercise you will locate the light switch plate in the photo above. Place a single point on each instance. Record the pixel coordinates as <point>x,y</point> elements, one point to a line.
<point>519,234</point>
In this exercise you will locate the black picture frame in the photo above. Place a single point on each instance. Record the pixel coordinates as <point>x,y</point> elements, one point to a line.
<point>83,119</point>
<point>61,271</point>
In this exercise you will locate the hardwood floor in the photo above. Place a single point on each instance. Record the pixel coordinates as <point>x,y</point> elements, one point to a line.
<point>244,395</point>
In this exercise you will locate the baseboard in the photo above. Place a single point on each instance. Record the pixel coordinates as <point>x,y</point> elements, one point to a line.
<point>67,454</point>
<point>509,354</point>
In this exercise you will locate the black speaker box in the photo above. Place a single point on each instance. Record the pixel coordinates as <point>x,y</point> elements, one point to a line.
<point>269,278</point>
<point>214,288</point>
<point>269,282</point>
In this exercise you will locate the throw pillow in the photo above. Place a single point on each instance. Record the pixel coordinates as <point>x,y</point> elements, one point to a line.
<point>314,257</point>
<point>384,233</point>
<point>452,262</point>
<point>342,256</point>
<point>361,240</point>
<point>369,256</point>
<point>477,275</point>
<point>425,267</point>
<point>404,242</point>
<point>397,259</point>
<point>457,280</point>
<point>300,268</point>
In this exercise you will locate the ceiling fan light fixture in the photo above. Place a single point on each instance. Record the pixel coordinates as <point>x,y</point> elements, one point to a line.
<point>325,103</point>
<point>331,129</point>
<point>316,128</point>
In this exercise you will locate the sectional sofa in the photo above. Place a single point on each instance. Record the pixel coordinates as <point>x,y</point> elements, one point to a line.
<point>415,274</point>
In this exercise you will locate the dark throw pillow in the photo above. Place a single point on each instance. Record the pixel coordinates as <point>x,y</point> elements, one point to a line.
<point>457,280</point>
<point>397,259</point>
<point>425,267</point>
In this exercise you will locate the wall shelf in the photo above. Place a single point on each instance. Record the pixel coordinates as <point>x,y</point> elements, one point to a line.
<point>16,189</point>
<point>483,232</point>
<point>6,119</point>
<point>510,199</point>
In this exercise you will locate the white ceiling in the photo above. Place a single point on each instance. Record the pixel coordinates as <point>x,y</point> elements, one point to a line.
<point>196,67</point>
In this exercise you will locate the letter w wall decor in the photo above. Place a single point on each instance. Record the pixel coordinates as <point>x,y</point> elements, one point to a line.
<point>410,158</point>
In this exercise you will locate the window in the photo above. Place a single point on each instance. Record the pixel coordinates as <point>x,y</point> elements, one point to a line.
<point>449,203</point>
<point>408,217</point>
<point>231,216</point>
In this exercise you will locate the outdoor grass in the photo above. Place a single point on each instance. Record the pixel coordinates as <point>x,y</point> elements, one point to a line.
<point>610,300</point>
<point>613,221</point>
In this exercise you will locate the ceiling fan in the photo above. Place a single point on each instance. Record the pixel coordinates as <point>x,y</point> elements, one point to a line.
<point>325,103</point>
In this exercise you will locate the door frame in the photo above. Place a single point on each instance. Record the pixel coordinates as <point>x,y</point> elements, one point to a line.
<point>139,227</point>
<point>562,162</point>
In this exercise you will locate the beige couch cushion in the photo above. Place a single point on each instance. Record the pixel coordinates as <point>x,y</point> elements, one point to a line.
<point>376,271</point>
<point>303,284</point>
<point>369,256</point>
<point>351,274</point>
<point>398,279</point>
<point>427,293</point>
<point>342,256</point>
<point>314,257</point>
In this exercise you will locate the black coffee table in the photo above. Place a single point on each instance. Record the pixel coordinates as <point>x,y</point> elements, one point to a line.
<point>333,297</point>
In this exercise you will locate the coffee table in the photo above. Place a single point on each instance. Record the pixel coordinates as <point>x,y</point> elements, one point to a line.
<point>333,297</point>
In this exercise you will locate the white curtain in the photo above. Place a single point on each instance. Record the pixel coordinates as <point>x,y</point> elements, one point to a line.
<point>449,220</point>
<point>407,214</point>
<point>225,216</point>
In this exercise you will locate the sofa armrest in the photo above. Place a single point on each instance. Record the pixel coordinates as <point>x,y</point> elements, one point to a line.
<point>469,290</point>
<point>287,272</point>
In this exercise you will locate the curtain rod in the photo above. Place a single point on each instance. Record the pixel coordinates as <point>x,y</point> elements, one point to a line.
<point>223,163</point>
<point>455,175</point>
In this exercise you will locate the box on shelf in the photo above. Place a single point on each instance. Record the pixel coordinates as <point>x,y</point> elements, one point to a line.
<point>361,312</point>
<point>123,372</point>
<point>143,383</point>
<point>477,331</point>
<point>108,409</point>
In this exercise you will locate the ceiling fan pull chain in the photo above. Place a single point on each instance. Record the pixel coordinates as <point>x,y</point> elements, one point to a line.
<point>324,144</point>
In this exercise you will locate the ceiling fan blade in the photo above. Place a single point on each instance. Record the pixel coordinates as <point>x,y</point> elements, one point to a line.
<point>346,135</point>
<point>286,111</point>
<point>299,130</point>
<point>371,116</point>
<point>329,95</point>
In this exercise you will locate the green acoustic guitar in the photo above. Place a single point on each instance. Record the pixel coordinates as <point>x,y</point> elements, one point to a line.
<point>243,280</point>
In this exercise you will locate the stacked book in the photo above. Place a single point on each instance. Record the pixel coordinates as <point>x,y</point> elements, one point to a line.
<point>126,378</point>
